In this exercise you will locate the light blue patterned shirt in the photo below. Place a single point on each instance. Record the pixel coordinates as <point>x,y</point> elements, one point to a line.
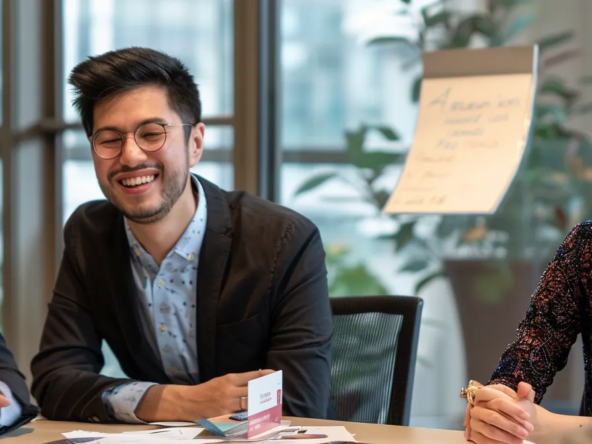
<point>167,297</point>
<point>10,414</point>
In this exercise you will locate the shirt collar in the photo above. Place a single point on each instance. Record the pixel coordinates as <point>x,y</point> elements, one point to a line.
<point>189,244</point>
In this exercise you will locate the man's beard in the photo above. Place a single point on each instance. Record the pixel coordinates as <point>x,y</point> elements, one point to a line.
<point>173,186</point>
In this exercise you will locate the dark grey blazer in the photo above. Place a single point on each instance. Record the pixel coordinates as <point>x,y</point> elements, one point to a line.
<point>262,302</point>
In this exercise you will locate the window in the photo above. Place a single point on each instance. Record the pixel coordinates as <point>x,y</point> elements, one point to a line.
<point>198,32</point>
<point>333,84</point>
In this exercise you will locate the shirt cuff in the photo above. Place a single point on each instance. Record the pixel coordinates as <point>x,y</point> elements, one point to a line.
<point>10,414</point>
<point>121,401</point>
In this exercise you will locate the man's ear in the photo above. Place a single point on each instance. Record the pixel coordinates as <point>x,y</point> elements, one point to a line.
<point>196,144</point>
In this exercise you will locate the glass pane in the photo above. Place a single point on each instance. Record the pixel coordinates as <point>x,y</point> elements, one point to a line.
<point>198,32</point>
<point>330,80</point>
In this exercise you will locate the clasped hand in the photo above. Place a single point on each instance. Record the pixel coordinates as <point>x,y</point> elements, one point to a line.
<point>500,415</point>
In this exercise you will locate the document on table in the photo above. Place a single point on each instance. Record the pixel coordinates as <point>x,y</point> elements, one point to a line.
<point>173,436</point>
<point>169,434</point>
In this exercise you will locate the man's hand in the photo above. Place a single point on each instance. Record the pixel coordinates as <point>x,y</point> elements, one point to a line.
<point>217,397</point>
<point>4,402</point>
<point>501,415</point>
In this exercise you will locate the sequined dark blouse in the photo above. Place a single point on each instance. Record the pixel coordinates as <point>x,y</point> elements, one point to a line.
<point>559,310</point>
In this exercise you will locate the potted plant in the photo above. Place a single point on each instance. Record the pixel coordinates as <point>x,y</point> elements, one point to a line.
<point>493,262</point>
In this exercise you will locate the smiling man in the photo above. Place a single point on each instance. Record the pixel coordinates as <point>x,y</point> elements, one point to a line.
<point>195,289</point>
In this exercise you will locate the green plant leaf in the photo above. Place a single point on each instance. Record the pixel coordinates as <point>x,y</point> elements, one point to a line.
<point>355,139</point>
<point>462,34</point>
<point>407,2</point>
<point>495,5</point>
<point>404,236</point>
<point>485,25</point>
<point>518,25</point>
<point>387,132</point>
<point>447,226</point>
<point>381,198</point>
<point>389,41</point>
<point>559,88</point>
<point>416,90</point>
<point>554,40</point>
<point>546,111</point>
<point>355,281</point>
<point>439,18</point>
<point>560,58</point>
<point>429,278</point>
<point>415,266</point>
<point>314,182</point>
<point>376,159</point>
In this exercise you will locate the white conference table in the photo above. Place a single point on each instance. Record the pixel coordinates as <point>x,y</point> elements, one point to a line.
<point>43,431</point>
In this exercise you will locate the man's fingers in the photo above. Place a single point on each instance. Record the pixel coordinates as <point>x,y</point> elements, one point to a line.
<point>242,379</point>
<point>4,402</point>
<point>238,392</point>
<point>501,426</point>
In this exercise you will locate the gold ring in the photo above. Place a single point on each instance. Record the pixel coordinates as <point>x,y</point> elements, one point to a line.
<point>469,392</point>
<point>240,402</point>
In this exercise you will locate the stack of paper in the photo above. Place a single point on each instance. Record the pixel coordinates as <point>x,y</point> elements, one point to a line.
<point>174,435</point>
<point>170,434</point>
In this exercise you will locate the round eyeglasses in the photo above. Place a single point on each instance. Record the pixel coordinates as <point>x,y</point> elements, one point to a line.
<point>149,137</point>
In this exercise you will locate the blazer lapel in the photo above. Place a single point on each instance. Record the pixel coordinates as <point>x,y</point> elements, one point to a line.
<point>124,294</point>
<point>213,258</point>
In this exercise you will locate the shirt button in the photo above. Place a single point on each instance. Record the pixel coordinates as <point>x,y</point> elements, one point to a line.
<point>191,256</point>
<point>160,283</point>
<point>163,328</point>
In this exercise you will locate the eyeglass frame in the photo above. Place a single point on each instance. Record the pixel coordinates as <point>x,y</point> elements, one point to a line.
<point>124,136</point>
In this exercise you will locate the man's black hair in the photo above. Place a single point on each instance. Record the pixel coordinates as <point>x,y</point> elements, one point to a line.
<point>119,71</point>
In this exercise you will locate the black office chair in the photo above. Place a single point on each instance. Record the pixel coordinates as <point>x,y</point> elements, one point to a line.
<point>374,354</point>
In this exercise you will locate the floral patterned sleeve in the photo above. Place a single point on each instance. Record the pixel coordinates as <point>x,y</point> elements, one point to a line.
<point>552,321</point>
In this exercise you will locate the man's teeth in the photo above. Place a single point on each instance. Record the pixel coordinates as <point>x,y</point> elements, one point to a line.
<point>135,181</point>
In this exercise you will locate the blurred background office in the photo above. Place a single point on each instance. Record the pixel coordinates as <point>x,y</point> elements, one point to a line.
<point>313,103</point>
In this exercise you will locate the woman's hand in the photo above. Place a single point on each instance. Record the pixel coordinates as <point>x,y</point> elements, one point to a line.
<point>467,422</point>
<point>501,415</point>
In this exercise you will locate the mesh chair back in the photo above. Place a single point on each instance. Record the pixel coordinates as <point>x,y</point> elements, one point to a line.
<point>374,354</point>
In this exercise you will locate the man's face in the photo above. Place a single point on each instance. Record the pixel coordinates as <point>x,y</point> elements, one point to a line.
<point>163,175</point>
